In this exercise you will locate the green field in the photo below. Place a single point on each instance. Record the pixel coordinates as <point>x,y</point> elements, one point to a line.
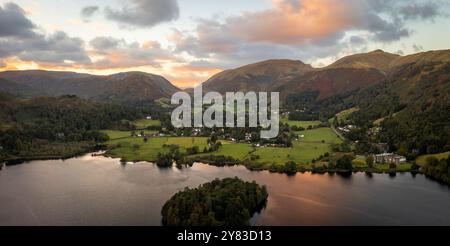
<point>124,134</point>
<point>144,123</point>
<point>240,151</point>
<point>342,116</point>
<point>304,124</point>
<point>135,149</point>
<point>301,153</point>
<point>359,162</point>
<point>422,160</point>
<point>324,134</point>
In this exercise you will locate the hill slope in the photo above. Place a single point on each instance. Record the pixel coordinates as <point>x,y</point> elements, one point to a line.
<point>294,78</point>
<point>132,86</point>
<point>261,76</point>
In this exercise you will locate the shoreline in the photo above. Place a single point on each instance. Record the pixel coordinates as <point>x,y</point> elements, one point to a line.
<point>299,169</point>
<point>303,171</point>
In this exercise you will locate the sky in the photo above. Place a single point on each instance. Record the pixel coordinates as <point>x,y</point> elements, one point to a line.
<point>188,41</point>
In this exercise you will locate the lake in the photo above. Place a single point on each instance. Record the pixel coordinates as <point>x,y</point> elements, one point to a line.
<point>101,191</point>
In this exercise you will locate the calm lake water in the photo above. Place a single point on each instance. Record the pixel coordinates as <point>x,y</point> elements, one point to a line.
<point>100,191</point>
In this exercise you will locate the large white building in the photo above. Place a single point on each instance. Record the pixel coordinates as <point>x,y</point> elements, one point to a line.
<point>388,158</point>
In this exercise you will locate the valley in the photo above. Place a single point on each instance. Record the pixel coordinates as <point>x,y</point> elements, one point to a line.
<point>334,118</point>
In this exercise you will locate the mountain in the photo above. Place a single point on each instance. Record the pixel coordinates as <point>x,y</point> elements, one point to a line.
<point>377,59</point>
<point>294,78</point>
<point>263,76</point>
<point>123,87</point>
<point>347,76</point>
<point>412,105</point>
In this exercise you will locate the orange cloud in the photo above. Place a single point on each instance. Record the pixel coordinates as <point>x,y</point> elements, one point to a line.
<point>295,22</point>
<point>185,76</point>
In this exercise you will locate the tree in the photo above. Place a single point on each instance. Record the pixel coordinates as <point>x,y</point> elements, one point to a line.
<point>370,161</point>
<point>345,163</point>
<point>164,160</point>
<point>432,161</point>
<point>290,167</point>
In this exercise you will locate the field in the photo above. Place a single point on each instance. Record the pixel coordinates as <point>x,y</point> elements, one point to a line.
<point>135,149</point>
<point>124,134</point>
<point>302,153</point>
<point>359,162</point>
<point>144,123</point>
<point>304,124</point>
<point>239,151</point>
<point>325,135</point>
<point>342,116</point>
<point>422,160</point>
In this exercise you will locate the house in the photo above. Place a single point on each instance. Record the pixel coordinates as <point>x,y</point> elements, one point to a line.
<point>389,158</point>
<point>149,118</point>
<point>248,137</point>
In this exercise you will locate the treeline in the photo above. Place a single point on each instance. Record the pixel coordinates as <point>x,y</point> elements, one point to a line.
<point>227,202</point>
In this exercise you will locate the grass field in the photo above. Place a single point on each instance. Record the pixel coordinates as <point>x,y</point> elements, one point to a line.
<point>304,124</point>
<point>135,149</point>
<point>144,123</point>
<point>318,135</point>
<point>422,160</point>
<point>342,116</point>
<point>359,162</point>
<point>239,151</point>
<point>302,153</point>
<point>123,134</point>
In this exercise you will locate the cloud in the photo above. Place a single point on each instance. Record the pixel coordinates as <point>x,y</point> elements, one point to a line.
<point>294,22</point>
<point>105,43</point>
<point>428,10</point>
<point>13,22</point>
<point>112,52</point>
<point>88,11</point>
<point>144,13</point>
<point>309,30</point>
<point>19,37</point>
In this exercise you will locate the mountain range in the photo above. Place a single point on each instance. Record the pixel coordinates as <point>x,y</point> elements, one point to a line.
<point>346,76</point>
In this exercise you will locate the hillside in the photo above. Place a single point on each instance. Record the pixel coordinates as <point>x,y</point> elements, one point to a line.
<point>56,126</point>
<point>263,76</point>
<point>123,87</point>
<point>294,78</point>
<point>377,59</point>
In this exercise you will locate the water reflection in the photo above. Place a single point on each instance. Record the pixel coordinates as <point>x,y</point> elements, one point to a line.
<point>93,190</point>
